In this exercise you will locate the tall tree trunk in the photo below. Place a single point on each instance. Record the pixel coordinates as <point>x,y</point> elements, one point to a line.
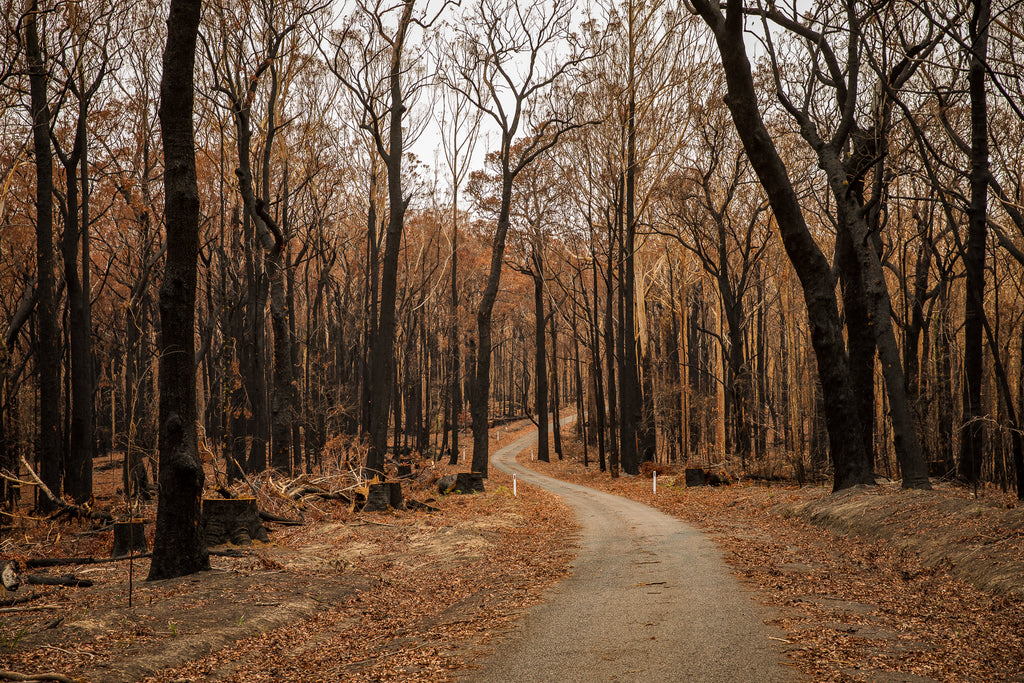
<point>629,383</point>
<point>179,547</point>
<point>555,385</point>
<point>78,462</point>
<point>851,464</point>
<point>860,342</point>
<point>479,406</point>
<point>283,395</point>
<point>47,345</point>
<point>454,352</point>
<point>382,353</point>
<point>596,371</point>
<point>540,360</point>
<point>972,436</point>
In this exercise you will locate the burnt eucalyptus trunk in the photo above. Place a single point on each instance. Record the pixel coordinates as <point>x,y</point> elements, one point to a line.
<point>283,394</point>
<point>596,372</point>
<point>851,464</point>
<point>631,412</point>
<point>972,437</point>
<point>382,354</point>
<point>78,462</point>
<point>860,343</point>
<point>480,398</point>
<point>609,357</point>
<point>556,398</point>
<point>540,360</point>
<point>47,344</point>
<point>455,381</point>
<point>179,547</point>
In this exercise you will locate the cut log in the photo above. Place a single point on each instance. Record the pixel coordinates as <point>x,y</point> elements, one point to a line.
<point>39,562</point>
<point>445,484</point>
<point>67,580</point>
<point>21,599</point>
<point>696,476</point>
<point>129,538</point>
<point>463,482</point>
<point>232,520</point>
<point>384,496</point>
<point>11,576</point>
<point>413,504</point>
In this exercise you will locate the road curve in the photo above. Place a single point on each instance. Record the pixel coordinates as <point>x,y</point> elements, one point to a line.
<point>650,599</point>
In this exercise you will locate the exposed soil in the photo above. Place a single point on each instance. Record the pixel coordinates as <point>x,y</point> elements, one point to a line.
<point>875,584</point>
<point>404,596</point>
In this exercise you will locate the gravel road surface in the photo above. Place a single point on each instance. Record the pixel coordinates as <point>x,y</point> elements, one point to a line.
<point>649,599</point>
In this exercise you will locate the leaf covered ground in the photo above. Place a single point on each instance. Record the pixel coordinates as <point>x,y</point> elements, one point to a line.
<point>875,584</point>
<point>354,596</point>
<point>872,585</point>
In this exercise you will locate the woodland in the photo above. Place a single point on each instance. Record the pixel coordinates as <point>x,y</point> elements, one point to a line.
<point>237,236</point>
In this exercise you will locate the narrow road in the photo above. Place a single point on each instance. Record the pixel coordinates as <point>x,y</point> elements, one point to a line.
<point>650,599</point>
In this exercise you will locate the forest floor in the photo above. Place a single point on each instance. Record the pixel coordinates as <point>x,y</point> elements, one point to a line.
<point>349,596</point>
<point>875,584</point>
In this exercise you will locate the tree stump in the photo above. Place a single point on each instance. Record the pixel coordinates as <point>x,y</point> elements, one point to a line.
<point>696,476</point>
<point>463,482</point>
<point>129,538</point>
<point>385,496</point>
<point>232,520</point>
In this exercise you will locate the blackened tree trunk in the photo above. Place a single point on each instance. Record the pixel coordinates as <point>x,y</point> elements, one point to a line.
<point>179,547</point>
<point>972,437</point>
<point>47,348</point>
<point>609,357</point>
<point>480,404</point>
<point>596,371</point>
<point>850,462</point>
<point>556,398</point>
<point>283,394</point>
<point>455,382</point>
<point>382,354</point>
<point>631,412</point>
<point>540,358</point>
<point>859,339</point>
<point>78,462</point>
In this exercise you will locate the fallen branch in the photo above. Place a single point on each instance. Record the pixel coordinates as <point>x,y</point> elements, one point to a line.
<point>35,678</point>
<point>40,608</point>
<point>270,517</point>
<point>67,580</point>
<point>21,599</point>
<point>40,562</point>
<point>63,507</point>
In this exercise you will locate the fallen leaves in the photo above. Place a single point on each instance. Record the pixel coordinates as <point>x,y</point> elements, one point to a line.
<point>409,596</point>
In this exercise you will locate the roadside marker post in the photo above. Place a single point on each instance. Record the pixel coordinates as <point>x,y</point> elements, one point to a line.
<point>515,493</point>
<point>531,455</point>
<point>655,480</point>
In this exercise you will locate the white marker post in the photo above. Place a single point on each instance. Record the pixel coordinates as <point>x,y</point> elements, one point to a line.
<point>515,494</point>
<point>463,455</point>
<point>655,485</point>
<point>531,455</point>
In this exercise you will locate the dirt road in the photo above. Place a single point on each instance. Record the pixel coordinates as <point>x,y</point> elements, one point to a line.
<point>650,599</point>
